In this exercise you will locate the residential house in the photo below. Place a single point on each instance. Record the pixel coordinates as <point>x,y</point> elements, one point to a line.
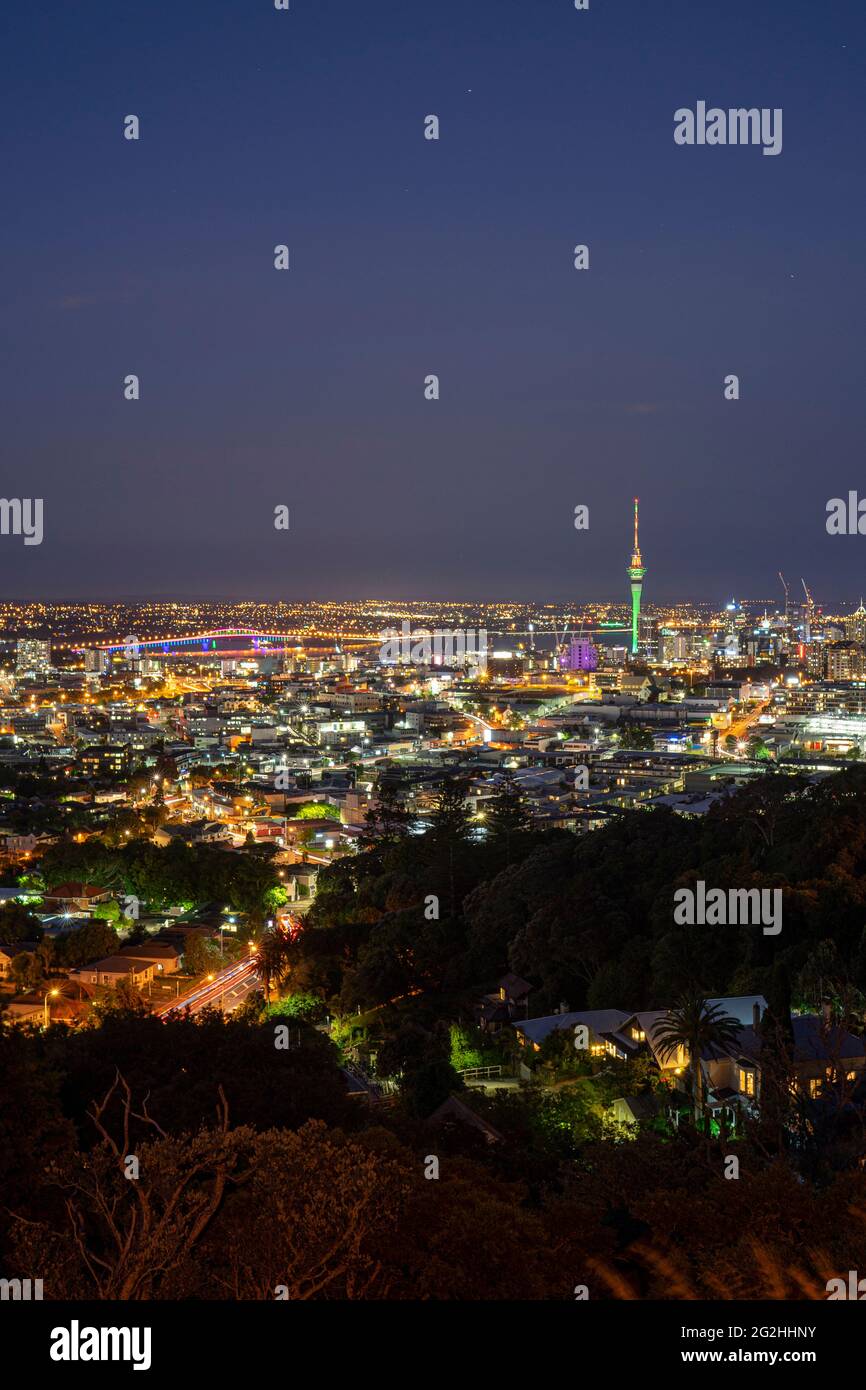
<point>639,1032</point>
<point>164,956</point>
<point>823,1055</point>
<point>198,832</point>
<point>112,969</point>
<point>64,1005</point>
<point>825,1058</point>
<point>502,1006</point>
<point>454,1112</point>
<point>299,881</point>
<point>75,898</point>
<point>25,845</point>
<point>632,1110</point>
<point>603,1027</point>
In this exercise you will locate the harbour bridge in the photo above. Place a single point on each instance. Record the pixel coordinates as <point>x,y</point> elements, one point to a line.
<point>247,641</point>
<point>231,641</point>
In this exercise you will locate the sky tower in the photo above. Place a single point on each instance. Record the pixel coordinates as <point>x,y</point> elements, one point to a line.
<point>636,572</point>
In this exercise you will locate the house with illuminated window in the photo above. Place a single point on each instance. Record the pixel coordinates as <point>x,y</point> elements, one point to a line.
<point>76,899</point>
<point>502,1005</point>
<point>639,1033</point>
<point>826,1062</point>
<point>111,970</point>
<point>617,1033</point>
<point>603,1027</point>
<point>729,1088</point>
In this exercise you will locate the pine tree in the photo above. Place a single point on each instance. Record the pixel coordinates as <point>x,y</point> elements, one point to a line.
<point>509,813</point>
<point>450,828</point>
<point>451,819</point>
<point>387,821</point>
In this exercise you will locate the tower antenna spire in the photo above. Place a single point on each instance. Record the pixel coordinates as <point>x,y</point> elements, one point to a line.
<point>636,572</point>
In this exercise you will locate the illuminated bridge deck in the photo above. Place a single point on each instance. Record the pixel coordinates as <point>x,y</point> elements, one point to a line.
<point>222,640</point>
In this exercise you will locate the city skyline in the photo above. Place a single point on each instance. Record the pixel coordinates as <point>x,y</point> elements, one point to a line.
<point>636,573</point>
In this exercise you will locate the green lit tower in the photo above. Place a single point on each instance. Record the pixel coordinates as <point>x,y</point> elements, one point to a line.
<point>636,572</point>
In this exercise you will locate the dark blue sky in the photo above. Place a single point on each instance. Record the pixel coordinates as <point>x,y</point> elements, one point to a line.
<point>412,257</point>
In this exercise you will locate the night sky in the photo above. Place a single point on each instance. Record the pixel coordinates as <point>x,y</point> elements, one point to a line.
<point>411,257</point>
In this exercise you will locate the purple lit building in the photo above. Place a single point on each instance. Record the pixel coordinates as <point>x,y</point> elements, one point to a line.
<point>581,656</point>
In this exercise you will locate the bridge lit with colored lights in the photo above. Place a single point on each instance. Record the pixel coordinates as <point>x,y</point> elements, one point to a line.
<point>224,640</point>
<point>205,641</point>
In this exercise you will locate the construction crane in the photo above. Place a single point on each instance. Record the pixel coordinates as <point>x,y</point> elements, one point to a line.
<point>785,587</point>
<point>810,608</point>
<point>560,641</point>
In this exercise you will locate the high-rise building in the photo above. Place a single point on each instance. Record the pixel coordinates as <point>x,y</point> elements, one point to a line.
<point>95,662</point>
<point>855,626</point>
<point>648,636</point>
<point>843,661</point>
<point>612,658</point>
<point>675,646</point>
<point>636,572</point>
<point>32,657</point>
<point>814,657</point>
<point>581,656</point>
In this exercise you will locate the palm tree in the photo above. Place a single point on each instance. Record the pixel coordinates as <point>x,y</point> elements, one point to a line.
<point>275,960</point>
<point>695,1024</point>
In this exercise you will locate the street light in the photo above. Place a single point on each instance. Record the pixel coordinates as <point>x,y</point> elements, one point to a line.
<point>53,993</point>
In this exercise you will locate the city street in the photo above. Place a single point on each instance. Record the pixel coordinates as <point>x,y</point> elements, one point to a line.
<point>226,990</point>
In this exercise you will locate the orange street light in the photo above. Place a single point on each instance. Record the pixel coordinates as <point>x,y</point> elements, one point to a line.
<point>53,993</point>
